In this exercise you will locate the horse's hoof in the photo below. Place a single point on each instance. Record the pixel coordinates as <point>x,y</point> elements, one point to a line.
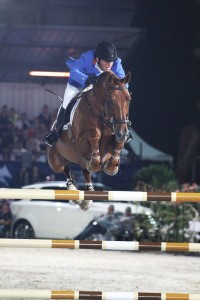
<point>111,173</point>
<point>93,168</point>
<point>109,170</point>
<point>89,186</point>
<point>85,204</point>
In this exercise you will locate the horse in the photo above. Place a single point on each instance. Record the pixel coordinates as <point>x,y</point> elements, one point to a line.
<point>97,133</point>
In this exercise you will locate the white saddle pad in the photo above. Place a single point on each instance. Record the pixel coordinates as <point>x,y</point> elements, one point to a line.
<point>65,127</point>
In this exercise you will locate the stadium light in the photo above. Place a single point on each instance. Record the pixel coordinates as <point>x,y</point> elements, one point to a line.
<point>49,74</point>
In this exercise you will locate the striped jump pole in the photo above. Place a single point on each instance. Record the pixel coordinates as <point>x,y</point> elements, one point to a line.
<point>89,295</point>
<point>101,245</point>
<point>6,193</point>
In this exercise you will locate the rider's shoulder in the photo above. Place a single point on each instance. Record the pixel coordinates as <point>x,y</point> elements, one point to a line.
<point>89,55</point>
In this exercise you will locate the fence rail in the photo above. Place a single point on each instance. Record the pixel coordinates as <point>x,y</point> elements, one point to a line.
<point>6,193</point>
<point>101,245</point>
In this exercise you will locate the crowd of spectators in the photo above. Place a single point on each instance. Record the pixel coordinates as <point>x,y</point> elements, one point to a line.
<point>21,137</point>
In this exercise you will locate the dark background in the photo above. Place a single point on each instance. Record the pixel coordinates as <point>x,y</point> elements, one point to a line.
<point>164,82</point>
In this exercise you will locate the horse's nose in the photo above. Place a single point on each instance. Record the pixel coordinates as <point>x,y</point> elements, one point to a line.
<point>120,135</point>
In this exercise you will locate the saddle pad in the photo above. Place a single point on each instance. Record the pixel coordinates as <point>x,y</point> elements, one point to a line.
<point>65,127</point>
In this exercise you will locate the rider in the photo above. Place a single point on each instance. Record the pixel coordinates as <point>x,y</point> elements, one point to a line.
<point>83,72</point>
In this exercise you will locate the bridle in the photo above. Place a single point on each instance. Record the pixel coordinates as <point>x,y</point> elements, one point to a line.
<point>107,115</point>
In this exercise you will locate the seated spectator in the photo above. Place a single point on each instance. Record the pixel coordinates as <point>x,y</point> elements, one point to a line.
<point>35,175</point>
<point>23,121</point>
<point>33,144</point>
<point>102,225</point>
<point>7,137</point>
<point>13,116</point>
<point>18,150</point>
<point>41,130</point>
<point>4,115</point>
<point>125,226</point>
<point>5,218</point>
<point>45,117</point>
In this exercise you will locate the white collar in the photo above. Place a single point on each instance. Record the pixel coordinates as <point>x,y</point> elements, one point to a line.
<point>98,68</point>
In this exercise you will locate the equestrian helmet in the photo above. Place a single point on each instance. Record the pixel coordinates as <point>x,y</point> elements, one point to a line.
<point>106,51</point>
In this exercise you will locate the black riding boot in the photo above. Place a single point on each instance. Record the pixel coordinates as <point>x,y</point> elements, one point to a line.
<point>51,138</point>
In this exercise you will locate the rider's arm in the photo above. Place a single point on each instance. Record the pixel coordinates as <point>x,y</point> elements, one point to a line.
<point>80,68</point>
<point>118,69</point>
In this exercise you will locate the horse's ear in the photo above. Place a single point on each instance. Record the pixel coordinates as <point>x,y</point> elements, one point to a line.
<point>127,78</point>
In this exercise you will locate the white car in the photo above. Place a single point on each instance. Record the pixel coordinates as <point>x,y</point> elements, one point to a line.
<point>59,219</point>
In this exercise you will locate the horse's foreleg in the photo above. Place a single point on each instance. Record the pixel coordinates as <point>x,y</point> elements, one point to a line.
<point>94,164</point>
<point>111,166</point>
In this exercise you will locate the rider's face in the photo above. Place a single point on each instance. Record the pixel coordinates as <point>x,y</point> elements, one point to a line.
<point>105,65</point>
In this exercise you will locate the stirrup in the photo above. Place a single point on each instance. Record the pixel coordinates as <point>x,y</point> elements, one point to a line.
<point>51,138</point>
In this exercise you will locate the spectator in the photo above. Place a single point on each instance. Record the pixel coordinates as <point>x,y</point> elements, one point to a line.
<point>4,114</point>
<point>13,116</point>
<point>125,228</point>
<point>35,175</point>
<point>102,225</point>
<point>45,117</point>
<point>23,122</point>
<point>5,218</point>
<point>18,150</point>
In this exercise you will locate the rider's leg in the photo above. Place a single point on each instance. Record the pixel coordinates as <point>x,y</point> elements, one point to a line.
<point>52,137</point>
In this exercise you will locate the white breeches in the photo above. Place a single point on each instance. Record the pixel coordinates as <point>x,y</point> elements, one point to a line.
<point>70,92</point>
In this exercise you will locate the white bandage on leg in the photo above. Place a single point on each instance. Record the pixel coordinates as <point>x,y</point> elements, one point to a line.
<point>70,92</point>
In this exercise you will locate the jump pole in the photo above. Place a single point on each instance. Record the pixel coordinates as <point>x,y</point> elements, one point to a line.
<point>89,295</point>
<point>101,245</point>
<point>6,193</point>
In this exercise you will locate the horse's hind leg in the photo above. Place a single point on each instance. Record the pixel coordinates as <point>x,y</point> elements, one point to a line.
<point>70,182</point>
<point>85,204</point>
<point>88,180</point>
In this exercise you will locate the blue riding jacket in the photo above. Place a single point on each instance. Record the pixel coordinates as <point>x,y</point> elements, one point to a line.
<point>85,66</point>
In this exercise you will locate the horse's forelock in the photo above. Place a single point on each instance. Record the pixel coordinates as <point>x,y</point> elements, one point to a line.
<point>105,77</point>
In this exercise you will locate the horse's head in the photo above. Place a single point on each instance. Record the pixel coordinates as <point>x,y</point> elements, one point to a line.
<point>116,100</point>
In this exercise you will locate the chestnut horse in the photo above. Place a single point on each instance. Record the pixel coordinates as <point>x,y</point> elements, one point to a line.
<point>97,133</point>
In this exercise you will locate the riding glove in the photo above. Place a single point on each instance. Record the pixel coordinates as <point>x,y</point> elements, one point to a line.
<point>91,80</point>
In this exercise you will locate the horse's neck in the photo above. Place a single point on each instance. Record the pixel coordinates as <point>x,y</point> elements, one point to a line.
<point>100,95</point>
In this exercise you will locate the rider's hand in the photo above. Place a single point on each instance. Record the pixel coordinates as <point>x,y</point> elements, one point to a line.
<point>91,80</point>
